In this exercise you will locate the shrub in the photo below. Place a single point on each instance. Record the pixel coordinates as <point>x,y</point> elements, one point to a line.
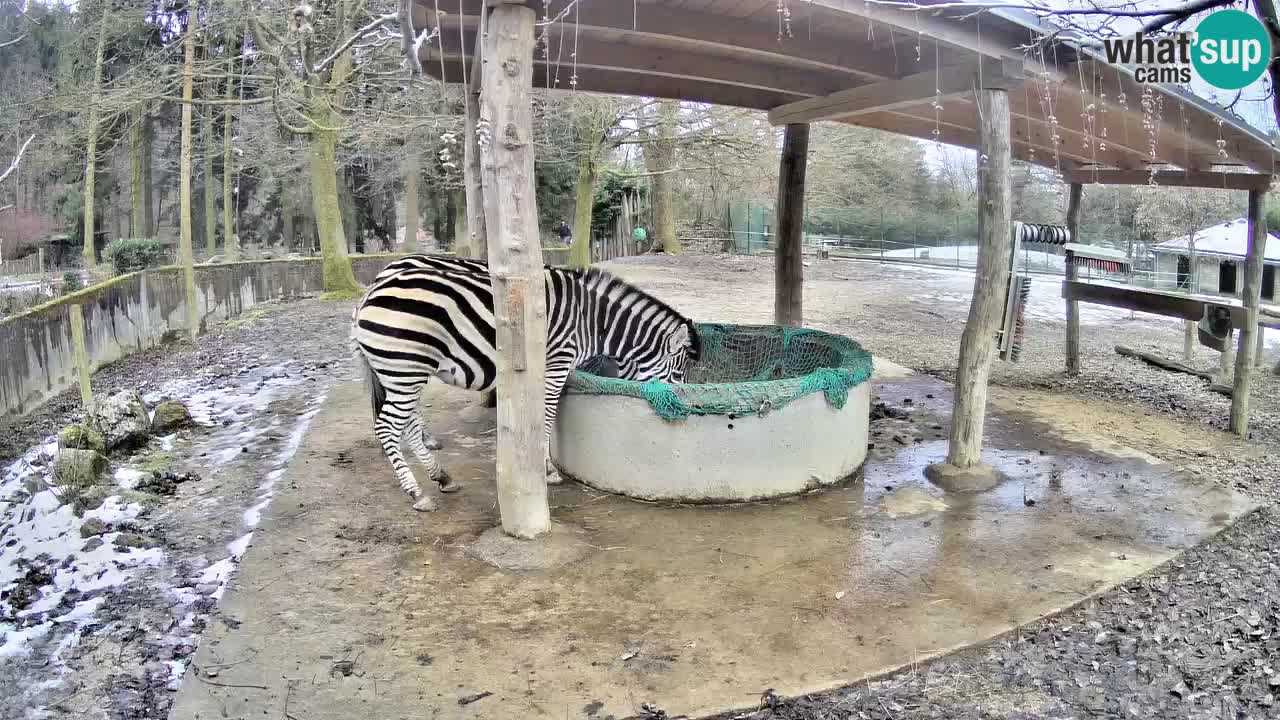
<point>130,254</point>
<point>71,282</point>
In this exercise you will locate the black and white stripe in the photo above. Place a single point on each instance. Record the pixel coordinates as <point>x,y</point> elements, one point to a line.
<point>423,322</point>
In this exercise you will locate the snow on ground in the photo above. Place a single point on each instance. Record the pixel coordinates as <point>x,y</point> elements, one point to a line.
<point>41,535</point>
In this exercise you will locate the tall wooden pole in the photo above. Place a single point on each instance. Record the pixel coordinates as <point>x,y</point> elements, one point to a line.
<point>1073,307</point>
<point>476,239</point>
<point>515,263</point>
<point>963,469</point>
<point>185,252</point>
<point>1250,333</point>
<point>788,281</point>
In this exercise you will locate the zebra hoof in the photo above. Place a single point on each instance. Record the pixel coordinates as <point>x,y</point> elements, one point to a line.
<point>553,477</point>
<point>424,504</point>
<point>431,442</point>
<point>447,483</point>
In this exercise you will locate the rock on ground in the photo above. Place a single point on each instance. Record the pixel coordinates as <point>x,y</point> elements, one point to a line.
<point>170,415</point>
<point>121,419</point>
<point>79,468</point>
<point>80,437</point>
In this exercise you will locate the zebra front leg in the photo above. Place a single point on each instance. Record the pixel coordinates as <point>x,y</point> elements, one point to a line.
<point>558,369</point>
<point>395,414</point>
<point>417,437</point>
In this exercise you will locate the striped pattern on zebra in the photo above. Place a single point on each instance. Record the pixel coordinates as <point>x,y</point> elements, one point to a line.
<point>423,322</point>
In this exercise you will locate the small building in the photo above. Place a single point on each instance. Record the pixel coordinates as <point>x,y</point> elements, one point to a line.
<point>1219,261</point>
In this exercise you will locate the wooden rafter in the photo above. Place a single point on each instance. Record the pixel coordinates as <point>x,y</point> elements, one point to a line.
<point>1171,178</point>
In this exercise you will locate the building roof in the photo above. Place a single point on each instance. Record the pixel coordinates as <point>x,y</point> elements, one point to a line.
<point>867,64</point>
<point>1229,239</point>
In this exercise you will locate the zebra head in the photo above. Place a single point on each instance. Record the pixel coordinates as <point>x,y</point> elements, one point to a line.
<point>647,338</point>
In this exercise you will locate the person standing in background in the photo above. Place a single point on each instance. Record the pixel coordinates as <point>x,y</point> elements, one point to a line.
<point>565,232</point>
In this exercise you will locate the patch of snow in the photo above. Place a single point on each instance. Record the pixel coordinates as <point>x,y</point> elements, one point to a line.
<point>128,478</point>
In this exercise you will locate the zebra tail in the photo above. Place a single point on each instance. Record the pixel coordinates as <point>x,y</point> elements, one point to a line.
<point>377,393</point>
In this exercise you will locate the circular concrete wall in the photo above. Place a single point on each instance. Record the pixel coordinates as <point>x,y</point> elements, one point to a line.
<point>620,445</point>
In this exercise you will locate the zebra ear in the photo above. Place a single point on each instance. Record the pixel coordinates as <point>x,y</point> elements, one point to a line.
<point>678,340</point>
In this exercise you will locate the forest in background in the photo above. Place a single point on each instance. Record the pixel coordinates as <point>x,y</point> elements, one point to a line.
<point>306,133</point>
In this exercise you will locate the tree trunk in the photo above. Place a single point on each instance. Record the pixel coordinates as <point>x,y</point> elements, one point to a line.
<point>230,240</point>
<point>137,208</point>
<point>210,204</point>
<point>788,281</point>
<point>1188,341</point>
<point>338,277</point>
<point>515,261</point>
<point>584,197</point>
<point>477,243</point>
<point>977,344</point>
<point>91,151</point>
<point>437,225</point>
<point>286,241</point>
<point>184,185</point>
<point>660,159</point>
<point>149,218</point>
<point>450,218</point>
<point>411,173</point>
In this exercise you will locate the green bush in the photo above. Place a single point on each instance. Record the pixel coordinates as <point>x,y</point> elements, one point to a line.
<point>71,282</point>
<point>130,254</point>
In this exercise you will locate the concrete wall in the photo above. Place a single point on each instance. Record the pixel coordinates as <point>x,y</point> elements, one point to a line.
<point>801,446</point>
<point>134,312</point>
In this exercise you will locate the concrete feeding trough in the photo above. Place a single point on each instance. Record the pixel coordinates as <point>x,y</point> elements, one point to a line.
<point>768,411</point>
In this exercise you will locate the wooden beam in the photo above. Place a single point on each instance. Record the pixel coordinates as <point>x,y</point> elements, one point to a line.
<point>569,55</point>
<point>947,31</point>
<point>515,264</point>
<point>1172,178</point>
<point>788,288</point>
<point>1249,330</point>
<point>622,82</point>
<point>994,242</point>
<point>713,33</point>
<point>1073,307</point>
<point>885,95</point>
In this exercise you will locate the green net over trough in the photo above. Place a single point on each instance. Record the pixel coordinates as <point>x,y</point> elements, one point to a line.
<point>746,369</point>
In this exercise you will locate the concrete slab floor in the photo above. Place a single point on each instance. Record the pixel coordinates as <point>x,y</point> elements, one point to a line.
<point>350,605</point>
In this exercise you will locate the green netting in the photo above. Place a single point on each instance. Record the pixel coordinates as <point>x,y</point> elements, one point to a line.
<point>747,369</point>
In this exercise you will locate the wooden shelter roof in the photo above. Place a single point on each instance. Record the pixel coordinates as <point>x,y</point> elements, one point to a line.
<point>907,72</point>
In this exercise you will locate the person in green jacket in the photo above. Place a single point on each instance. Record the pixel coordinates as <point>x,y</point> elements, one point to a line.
<point>639,236</point>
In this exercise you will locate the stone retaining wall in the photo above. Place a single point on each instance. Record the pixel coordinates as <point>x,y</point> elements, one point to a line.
<point>137,311</point>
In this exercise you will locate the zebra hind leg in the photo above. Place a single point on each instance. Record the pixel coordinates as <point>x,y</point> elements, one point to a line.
<point>417,437</point>
<point>395,414</point>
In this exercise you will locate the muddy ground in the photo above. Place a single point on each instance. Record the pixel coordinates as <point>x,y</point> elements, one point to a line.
<point>1198,639</point>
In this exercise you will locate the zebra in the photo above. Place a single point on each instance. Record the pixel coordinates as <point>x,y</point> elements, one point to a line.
<point>424,322</point>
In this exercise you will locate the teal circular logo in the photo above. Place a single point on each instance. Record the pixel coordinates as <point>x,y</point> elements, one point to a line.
<point>1231,49</point>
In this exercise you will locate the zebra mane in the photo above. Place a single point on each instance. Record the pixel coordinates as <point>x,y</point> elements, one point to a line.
<point>604,284</point>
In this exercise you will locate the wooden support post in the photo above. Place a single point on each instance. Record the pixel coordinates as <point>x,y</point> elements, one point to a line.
<point>788,280</point>
<point>1250,333</point>
<point>81,351</point>
<point>505,134</point>
<point>1259,349</point>
<point>1227,359</point>
<point>963,469</point>
<point>477,241</point>
<point>1073,307</point>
